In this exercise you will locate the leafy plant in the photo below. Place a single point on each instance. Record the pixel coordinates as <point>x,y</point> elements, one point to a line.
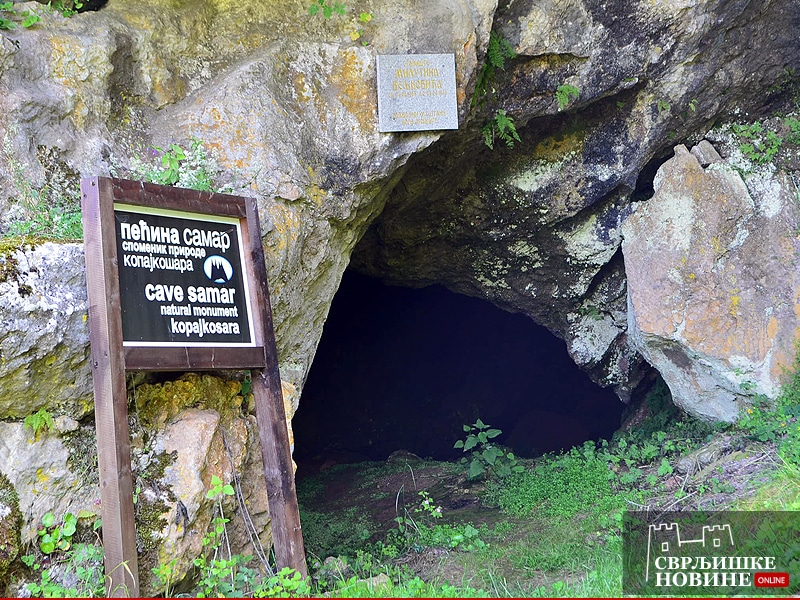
<point>220,575</point>
<point>501,126</point>
<point>8,15</point>
<point>286,583</point>
<point>52,211</point>
<point>67,9</point>
<point>777,422</point>
<point>358,33</point>
<point>57,536</point>
<point>662,106</point>
<point>497,52</point>
<point>39,422</point>
<point>77,573</point>
<point>193,168</point>
<point>760,146</point>
<point>561,486</point>
<point>564,94</point>
<point>326,9</point>
<point>416,530</point>
<point>484,454</point>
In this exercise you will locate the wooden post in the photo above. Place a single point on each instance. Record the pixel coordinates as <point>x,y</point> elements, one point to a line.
<point>276,454</point>
<point>111,400</point>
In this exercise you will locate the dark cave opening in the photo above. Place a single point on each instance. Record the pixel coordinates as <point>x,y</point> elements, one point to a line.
<point>404,369</point>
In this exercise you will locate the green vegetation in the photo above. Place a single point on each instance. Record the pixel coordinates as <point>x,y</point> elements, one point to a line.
<point>759,146</point>
<point>327,10</point>
<point>57,536</point>
<point>415,531</point>
<point>486,455</point>
<point>497,53</point>
<point>358,32</point>
<point>64,569</point>
<point>84,562</point>
<point>555,529</point>
<point>194,168</point>
<point>501,126</point>
<point>51,211</point>
<point>10,18</point>
<point>565,93</point>
<point>777,422</point>
<point>38,422</point>
<point>560,487</point>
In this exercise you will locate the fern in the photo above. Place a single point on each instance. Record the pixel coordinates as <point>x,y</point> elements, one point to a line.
<point>498,51</point>
<point>502,126</point>
<point>564,93</point>
<point>40,421</point>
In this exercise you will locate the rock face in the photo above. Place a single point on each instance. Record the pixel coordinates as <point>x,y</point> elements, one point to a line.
<point>287,101</point>
<point>536,229</point>
<point>44,354</point>
<point>10,523</point>
<point>713,285</point>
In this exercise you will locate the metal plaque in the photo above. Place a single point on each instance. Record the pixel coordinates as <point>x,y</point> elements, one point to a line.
<point>417,92</point>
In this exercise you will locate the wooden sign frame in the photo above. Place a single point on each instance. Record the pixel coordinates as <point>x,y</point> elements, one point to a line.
<point>111,358</point>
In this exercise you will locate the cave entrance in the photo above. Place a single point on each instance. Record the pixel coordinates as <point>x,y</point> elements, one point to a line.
<point>404,369</point>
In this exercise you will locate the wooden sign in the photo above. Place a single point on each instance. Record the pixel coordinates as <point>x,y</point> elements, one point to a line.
<point>417,92</point>
<point>176,280</point>
<point>182,279</point>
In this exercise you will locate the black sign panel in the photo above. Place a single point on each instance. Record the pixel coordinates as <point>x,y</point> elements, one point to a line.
<point>181,279</point>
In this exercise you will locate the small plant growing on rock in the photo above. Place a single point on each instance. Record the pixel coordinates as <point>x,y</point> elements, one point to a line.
<point>758,145</point>
<point>194,168</point>
<point>485,455</point>
<point>38,422</point>
<point>8,17</point>
<point>498,51</point>
<point>565,93</point>
<point>327,10</point>
<point>57,536</point>
<point>502,126</point>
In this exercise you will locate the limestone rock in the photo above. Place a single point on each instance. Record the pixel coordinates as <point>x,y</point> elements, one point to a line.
<point>44,337</point>
<point>186,432</point>
<point>713,284</point>
<point>10,525</point>
<point>536,229</point>
<point>45,475</point>
<point>288,103</point>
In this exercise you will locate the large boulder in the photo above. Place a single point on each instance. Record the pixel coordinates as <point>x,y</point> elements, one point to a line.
<point>713,285</point>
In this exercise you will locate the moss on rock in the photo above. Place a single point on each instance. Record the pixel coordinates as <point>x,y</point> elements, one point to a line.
<point>158,404</point>
<point>10,525</point>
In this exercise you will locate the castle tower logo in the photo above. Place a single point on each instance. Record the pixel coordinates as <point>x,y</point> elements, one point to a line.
<point>218,269</point>
<point>665,539</point>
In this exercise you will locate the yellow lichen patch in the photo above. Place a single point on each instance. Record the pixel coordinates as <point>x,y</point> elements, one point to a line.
<point>772,328</point>
<point>733,309</point>
<point>286,225</point>
<point>355,91</point>
<point>301,87</point>
<point>560,146</point>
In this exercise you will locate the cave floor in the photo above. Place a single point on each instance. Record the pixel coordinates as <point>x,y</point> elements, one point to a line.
<point>368,497</point>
